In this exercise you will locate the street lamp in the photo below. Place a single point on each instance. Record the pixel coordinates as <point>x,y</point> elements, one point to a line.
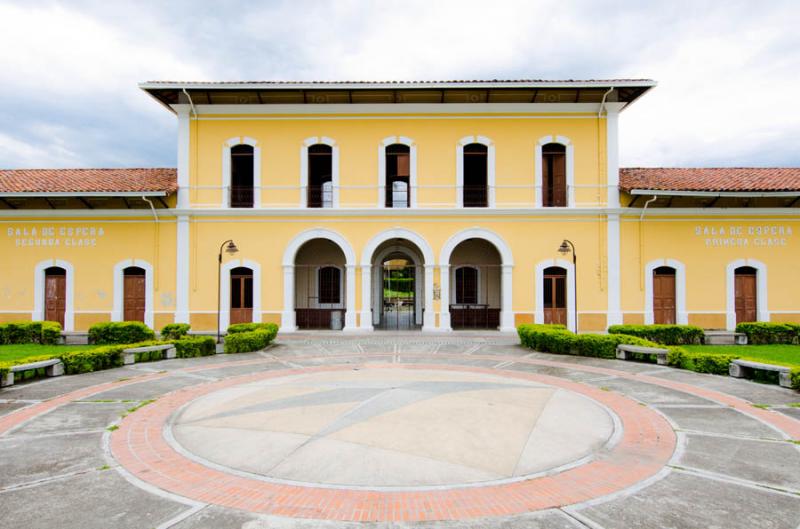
<point>230,249</point>
<point>565,248</point>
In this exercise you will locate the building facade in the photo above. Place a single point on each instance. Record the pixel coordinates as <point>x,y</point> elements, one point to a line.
<point>431,206</point>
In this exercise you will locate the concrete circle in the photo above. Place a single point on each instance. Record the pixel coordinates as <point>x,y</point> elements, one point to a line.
<point>384,428</point>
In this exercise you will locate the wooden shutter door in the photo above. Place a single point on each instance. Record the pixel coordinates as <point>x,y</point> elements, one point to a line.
<point>241,299</point>
<point>664,298</point>
<point>55,302</point>
<point>555,299</point>
<point>134,298</point>
<point>746,300</point>
<point>559,180</point>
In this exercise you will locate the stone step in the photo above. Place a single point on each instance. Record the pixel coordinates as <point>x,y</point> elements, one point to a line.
<point>725,338</point>
<point>75,338</point>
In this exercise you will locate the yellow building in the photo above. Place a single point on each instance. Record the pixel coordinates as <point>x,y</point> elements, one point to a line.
<point>413,205</point>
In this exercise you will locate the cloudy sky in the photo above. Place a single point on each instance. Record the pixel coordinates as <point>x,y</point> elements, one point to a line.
<point>728,70</point>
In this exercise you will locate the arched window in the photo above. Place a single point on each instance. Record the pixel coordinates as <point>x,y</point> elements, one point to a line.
<point>55,294</point>
<point>664,295</point>
<point>476,163</point>
<point>320,175</point>
<point>242,188</point>
<point>329,281</point>
<point>746,294</point>
<point>134,299</point>
<point>554,175</point>
<point>466,285</point>
<point>554,294</point>
<point>398,171</point>
<point>241,295</point>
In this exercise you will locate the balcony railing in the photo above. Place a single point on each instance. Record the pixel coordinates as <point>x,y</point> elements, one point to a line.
<point>242,196</point>
<point>476,196</point>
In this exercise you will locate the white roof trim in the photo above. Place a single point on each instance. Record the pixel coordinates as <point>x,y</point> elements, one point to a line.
<point>394,86</point>
<point>53,194</point>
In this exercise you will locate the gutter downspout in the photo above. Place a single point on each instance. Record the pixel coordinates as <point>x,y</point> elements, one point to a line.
<point>156,238</point>
<point>191,103</point>
<point>641,241</point>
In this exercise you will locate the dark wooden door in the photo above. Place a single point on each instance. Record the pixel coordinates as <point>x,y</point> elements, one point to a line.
<point>664,298</point>
<point>241,298</point>
<point>746,299</point>
<point>134,298</point>
<point>55,300</point>
<point>555,297</point>
<point>554,176</point>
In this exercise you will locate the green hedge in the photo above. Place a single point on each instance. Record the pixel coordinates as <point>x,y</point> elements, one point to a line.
<point>760,333</point>
<point>120,332</point>
<point>96,359</point>
<point>21,332</point>
<point>245,342</point>
<point>700,362</point>
<point>248,327</point>
<point>663,334</point>
<point>192,346</point>
<point>795,376</point>
<point>557,339</point>
<point>175,331</point>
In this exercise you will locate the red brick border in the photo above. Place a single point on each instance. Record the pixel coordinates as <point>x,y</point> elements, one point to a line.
<point>646,445</point>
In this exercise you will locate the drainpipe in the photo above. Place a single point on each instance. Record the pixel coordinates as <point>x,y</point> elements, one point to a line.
<point>602,102</point>
<point>641,241</point>
<point>191,103</point>
<point>156,237</point>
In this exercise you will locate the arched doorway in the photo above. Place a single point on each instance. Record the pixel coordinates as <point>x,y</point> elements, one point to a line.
<point>475,285</point>
<point>320,285</point>
<point>398,286</point>
<point>55,294</point>
<point>134,297</point>
<point>745,294</point>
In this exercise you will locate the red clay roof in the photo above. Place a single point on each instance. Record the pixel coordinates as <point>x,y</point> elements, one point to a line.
<point>710,179</point>
<point>88,180</point>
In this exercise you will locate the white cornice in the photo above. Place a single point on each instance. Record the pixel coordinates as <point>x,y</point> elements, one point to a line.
<point>402,109</point>
<point>437,85</point>
<point>51,215</point>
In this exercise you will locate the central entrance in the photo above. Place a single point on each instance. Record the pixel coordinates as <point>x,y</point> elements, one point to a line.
<point>398,286</point>
<point>399,308</point>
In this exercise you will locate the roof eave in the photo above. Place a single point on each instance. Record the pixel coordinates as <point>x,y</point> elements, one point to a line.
<point>691,193</point>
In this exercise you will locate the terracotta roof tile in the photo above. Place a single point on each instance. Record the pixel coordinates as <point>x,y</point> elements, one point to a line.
<point>710,179</point>
<point>88,180</point>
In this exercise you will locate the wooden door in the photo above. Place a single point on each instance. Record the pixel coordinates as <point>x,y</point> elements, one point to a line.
<point>746,299</point>
<point>55,301</point>
<point>241,298</point>
<point>555,296</point>
<point>134,298</point>
<point>554,176</point>
<point>664,298</point>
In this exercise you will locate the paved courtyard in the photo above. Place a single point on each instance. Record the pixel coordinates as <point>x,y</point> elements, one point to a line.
<point>398,430</point>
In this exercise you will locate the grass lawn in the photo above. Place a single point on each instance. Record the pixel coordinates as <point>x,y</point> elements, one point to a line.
<point>17,352</point>
<point>784,355</point>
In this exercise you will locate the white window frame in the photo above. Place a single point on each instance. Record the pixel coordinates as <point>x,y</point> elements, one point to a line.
<point>490,168</point>
<point>681,316</point>
<point>538,169</point>
<point>118,303</point>
<point>412,170</point>
<point>226,170</point>
<point>317,140</point>
<point>454,291</point>
<point>342,278</point>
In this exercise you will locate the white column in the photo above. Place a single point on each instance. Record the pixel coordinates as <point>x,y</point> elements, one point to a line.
<point>428,316</point>
<point>612,155</point>
<point>614,316</point>
<point>183,155</point>
<point>287,316</point>
<point>444,292</point>
<point>366,298</point>
<point>506,312</point>
<point>350,299</point>
<point>182,271</point>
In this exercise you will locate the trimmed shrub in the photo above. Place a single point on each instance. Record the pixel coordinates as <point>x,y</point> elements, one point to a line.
<point>51,332</point>
<point>96,359</point>
<point>120,332</point>
<point>245,342</point>
<point>760,333</point>
<point>605,345</point>
<point>700,362</point>
<point>248,327</point>
<point>795,377</point>
<point>175,331</point>
<point>663,334</point>
<point>190,347</point>
<point>557,339</point>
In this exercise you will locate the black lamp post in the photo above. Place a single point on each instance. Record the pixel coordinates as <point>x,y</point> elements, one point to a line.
<point>230,249</point>
<point>565,248</point>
